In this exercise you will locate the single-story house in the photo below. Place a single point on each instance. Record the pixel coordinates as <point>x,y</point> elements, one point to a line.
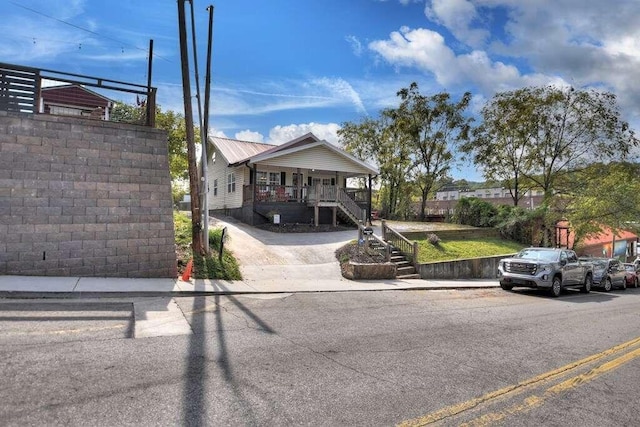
<point>301,181</point>
<point>74,100</point>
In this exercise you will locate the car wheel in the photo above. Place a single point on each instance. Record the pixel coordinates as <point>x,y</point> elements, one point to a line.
<point>506,287</point>
<point>586,288</point>
<point>556,287</point>
<point>624,285</point>
<point>607,284</point>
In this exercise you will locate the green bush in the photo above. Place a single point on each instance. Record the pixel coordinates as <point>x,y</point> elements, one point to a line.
<point>475,212</point>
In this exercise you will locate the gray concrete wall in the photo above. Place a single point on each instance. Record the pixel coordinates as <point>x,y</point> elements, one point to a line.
<point>81,197</point>
<point>474,268</point>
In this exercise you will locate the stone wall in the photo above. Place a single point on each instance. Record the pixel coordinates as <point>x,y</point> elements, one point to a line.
<point>81,197</point>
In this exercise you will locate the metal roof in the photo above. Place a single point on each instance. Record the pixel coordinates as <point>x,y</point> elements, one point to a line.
<point>235,151</point>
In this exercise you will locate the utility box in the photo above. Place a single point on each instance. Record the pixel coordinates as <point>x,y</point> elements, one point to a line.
<point>276,218</point>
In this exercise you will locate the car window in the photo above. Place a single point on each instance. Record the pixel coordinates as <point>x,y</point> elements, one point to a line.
<point>629,267</point>
<point>571,256</point>
<point>614,265</point>
<point>538,254</point>
<point>563,256</point>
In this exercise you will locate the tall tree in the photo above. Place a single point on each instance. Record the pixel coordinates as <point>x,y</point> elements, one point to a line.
<point>378,141</point>
<point>548,133</point>
<point>609,197</point>
<point>432,125</point>
<point>502,142</point>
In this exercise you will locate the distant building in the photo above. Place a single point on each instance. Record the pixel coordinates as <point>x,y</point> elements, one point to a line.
<point>74,100</point>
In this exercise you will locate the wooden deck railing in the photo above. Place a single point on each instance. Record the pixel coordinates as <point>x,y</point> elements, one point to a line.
<point>408,248</point>
<point>274,193</point>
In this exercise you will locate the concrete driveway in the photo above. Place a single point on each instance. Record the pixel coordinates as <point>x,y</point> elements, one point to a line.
<point>265,255</point>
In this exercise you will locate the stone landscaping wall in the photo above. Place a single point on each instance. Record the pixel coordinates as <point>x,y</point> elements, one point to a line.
<point>357,271</point>
<point>82,197</point>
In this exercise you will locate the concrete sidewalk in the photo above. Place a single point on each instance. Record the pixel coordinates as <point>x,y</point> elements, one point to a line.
<point>13,286</point>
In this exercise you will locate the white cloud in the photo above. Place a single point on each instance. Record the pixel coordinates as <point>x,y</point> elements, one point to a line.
<point>356,46</point>
<point>340,89</point>
<point>426,50</point>
<point>281,134</point>
<point>248,135</point>
<point>458,16</point>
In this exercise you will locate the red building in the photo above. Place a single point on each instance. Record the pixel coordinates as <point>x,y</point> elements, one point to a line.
<point>74,100</point>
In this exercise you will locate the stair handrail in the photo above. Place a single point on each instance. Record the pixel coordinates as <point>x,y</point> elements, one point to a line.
<point>350,205</point>
<point>386,248</point>
<point>406,247</point>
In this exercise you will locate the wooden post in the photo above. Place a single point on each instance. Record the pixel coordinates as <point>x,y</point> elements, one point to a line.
<point>369,201</point>
<point>335,216</point>
<point>316,214</point>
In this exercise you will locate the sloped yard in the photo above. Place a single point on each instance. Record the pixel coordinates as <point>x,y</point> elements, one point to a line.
<point>463,249</point>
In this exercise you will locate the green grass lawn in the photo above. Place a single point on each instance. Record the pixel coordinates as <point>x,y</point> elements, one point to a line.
<point>463,249</point>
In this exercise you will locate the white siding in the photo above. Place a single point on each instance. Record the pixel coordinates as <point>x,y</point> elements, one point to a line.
<point>220,171</point>
<point>319,158</point>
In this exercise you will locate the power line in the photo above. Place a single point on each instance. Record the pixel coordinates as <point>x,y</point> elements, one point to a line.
<point>120,43</point>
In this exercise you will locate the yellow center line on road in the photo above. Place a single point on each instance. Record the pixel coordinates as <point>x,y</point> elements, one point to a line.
<point>571,383</point>
<point>511,390</point>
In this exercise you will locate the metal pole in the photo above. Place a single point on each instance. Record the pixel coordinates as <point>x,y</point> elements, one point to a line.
<point>203,151</point>
<point>205,132</point>
<point>151,106</point>
<point>196,214</point>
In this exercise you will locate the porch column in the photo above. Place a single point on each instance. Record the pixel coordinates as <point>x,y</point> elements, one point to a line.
<point>255,185</point>
<point>299,186</point>
<point>335,216</point>
<point>369,201</point>
<point>316,214</point>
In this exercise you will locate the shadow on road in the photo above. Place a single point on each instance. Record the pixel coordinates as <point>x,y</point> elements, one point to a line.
<point>194,403</point>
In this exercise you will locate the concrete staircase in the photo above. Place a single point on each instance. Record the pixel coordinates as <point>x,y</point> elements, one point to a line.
<point>405,270</point>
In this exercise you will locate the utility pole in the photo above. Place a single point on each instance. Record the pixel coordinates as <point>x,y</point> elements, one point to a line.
<point>203,140</point>
<point>196,212</point>
<point>205,130</point>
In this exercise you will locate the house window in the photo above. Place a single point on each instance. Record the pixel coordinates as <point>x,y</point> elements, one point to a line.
<point>231,183</point>
<point>274,178</point>
<point>215,187</point>
<point>262,178</point>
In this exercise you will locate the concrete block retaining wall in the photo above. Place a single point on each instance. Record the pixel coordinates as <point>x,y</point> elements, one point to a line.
<point>474,268</point>
<point>81,197</point>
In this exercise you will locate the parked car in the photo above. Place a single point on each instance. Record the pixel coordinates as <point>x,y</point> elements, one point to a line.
<point>608,273</point>
<point>545,268</point>
<point>631,275</point>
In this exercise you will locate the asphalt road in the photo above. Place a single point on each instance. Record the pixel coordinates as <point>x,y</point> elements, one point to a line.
<point>482,357</point>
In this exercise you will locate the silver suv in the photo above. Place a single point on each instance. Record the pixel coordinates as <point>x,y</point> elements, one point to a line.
<point>546,268</point>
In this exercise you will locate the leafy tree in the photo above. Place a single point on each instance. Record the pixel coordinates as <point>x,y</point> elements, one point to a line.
<point>538,135</point>
<point>377,140</point>
<point>541,135</point>
<point>169,121</point>
<point>410,144</point>
<point>501,143</point>
<point>609,197</point>
<point>431,125</point>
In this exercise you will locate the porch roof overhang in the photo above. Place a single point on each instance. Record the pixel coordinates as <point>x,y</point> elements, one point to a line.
<point>307,157</point>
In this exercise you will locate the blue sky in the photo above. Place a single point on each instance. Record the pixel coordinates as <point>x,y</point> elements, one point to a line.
<point>282,68</point>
